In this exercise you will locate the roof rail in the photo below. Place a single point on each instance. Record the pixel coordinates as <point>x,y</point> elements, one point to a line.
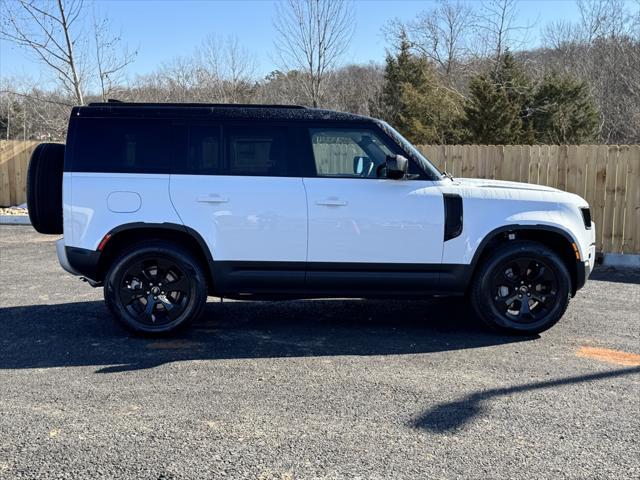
<point>117,103</point>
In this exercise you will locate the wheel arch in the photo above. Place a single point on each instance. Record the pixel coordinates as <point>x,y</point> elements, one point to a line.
<point>120,237</point>
<point>555,238</point>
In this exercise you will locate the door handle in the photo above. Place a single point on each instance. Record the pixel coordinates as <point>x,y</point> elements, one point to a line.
<point>332,202</point>
<point>212,198</point>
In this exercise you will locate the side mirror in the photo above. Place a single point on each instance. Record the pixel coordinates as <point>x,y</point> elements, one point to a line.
<point>396,166</point>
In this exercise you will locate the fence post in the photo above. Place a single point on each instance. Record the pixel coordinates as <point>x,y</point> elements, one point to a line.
<point>609,198</point>
<point>632,209</point>
<point>620,198</point>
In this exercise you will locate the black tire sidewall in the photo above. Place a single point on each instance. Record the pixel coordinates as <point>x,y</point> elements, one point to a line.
<point>191,268</point>
<point>482,294</point>
<point>44,188</point>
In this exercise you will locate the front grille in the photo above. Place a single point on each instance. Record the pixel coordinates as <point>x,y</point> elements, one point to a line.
<point>586,217</point>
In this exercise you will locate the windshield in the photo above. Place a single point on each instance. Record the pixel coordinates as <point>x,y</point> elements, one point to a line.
<point>412,151</point>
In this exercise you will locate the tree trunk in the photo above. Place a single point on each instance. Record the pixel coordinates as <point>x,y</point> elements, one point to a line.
<point>72,63</point>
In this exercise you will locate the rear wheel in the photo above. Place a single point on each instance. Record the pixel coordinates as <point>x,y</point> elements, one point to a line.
<point>155,288</point>
<point>523,287</point>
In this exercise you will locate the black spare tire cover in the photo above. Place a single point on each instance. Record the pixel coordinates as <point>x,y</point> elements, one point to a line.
<point>44,187</point>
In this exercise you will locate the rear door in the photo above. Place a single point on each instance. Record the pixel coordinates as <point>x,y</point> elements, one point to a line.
<point>367,232</point>
<point>239,190</point>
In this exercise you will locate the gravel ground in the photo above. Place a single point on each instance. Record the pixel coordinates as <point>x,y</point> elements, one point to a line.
<point>338,389</point>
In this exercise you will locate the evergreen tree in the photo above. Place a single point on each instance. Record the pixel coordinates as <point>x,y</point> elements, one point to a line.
<point>491,117</point>
<point>498,110</point>
<point>416,103</point>
<point>505,107</point>
<point>564,111</point>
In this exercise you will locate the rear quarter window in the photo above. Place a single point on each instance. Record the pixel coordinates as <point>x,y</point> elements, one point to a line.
<point>128,145</point>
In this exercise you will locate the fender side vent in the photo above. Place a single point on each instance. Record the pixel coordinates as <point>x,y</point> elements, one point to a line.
<point>453,215</point>
<point>586,217</point>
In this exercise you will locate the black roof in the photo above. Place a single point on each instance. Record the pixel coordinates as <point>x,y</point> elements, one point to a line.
<point>119,103</point>
<point>217,110</point>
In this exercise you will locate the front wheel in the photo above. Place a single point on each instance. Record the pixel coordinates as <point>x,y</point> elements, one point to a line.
<point>155,288</point>
<point>524,287</point>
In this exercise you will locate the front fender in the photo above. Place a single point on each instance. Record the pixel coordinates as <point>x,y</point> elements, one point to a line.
<point>483,220</point>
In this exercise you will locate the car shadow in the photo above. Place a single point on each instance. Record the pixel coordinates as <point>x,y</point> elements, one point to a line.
<point>451,416</point>
<point>83,333</point>
<point>617,275</point>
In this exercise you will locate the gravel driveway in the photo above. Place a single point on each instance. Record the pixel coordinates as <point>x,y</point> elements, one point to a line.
<point>338,389</point>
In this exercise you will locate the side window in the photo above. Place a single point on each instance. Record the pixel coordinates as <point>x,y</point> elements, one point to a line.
<point>256,150</point>
<point>128,145</point>
<point>342,152</point>
<point>204,150</point>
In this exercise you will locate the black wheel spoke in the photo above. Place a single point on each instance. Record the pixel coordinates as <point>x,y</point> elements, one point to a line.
<point>524,289</point>
<point>524,308</point>
<point>151,303</point>
<point>173,310</point>
<point>546,299</point>
<point>523,268</point>
<point>181,285</point>
<point>147,276</point>
<point>512,281</point>
<point>128,295</point>
<point>511,275</point>
<point>509,301</point>
<point>163,268</point>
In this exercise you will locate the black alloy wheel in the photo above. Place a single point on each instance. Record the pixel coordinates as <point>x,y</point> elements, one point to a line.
<point>155,291</point>
<point>525,289</point>
<point>155,288</point>
<point>522,287</point>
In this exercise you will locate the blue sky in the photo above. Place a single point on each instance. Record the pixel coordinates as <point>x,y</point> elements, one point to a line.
<point>162,29</point>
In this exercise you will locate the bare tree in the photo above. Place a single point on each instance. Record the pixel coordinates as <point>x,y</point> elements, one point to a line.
<point>47,29</point>
<point>353,88</point>
<point>281,88</point>
<point>312,37</point>
<point>498,30</point>
<point>219,70</point>
<point>229,68</point>
<point>33,114</point>
<point>441,34</point>
<point>241,68</point>
<point>53,31</point>
<point>111,58</point>
<point>602,48</point>
<point>181,80</point>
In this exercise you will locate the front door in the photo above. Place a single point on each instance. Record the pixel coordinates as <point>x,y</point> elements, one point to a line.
<point>366,232</point>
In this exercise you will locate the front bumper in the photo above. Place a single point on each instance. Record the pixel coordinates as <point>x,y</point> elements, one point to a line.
<point>585,267</point>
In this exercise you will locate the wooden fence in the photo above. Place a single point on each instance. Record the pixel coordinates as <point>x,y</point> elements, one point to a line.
<point>607,176</point>
<point>14,160</point>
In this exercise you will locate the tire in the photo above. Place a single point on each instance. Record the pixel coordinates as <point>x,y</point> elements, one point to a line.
<point>44,188</point>
<point>523,288</point>
<point>157,274</point>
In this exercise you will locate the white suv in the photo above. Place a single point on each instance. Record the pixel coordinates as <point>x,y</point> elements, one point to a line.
<point>164,204</point>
